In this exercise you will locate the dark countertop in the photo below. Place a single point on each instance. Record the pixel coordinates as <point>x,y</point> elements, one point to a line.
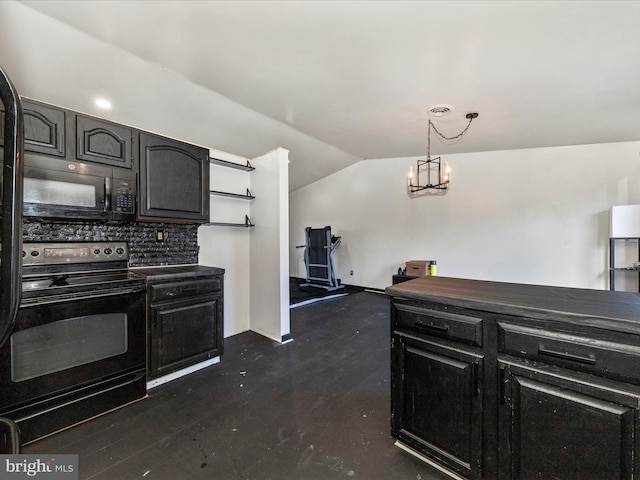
<point>598,308</point>
<point>170,272</point>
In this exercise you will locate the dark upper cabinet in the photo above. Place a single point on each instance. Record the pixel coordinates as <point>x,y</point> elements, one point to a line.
<point>174,180</point>
<point>173,175</point>
<point>44,128</point>
<point>555,424</point>
<point>50,130</point>
<point>103,142</point>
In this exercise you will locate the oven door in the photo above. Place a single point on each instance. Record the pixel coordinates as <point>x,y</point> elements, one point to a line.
<point>59,189</point>
<point>71,360</point>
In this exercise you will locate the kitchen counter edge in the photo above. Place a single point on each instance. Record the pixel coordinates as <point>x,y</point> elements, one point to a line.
<point>170,272</point>
<point>597,308</point>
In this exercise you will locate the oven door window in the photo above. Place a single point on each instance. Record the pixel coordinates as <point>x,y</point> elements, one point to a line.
<point>65,344</point>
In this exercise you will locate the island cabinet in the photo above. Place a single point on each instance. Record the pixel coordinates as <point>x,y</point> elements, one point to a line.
<point>493,380</point>
<point>437,386</point>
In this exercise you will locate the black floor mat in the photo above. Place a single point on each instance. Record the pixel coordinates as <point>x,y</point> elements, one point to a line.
<point>299,294</point>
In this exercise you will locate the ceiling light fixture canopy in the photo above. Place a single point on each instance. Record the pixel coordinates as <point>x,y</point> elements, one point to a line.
<point>437,178</point>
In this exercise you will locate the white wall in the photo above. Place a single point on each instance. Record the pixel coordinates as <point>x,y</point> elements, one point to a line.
<point>256,259</point>
<point>229,247</point>
<point>270,246</point>
<point>537,216</point>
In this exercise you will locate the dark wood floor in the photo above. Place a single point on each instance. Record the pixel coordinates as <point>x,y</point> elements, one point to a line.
<point>314,408</point>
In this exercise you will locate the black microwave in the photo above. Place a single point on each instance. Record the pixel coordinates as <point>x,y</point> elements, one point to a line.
<point>73,190</point>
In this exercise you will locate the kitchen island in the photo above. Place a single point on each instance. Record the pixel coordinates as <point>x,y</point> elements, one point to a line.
<point>495,380</point>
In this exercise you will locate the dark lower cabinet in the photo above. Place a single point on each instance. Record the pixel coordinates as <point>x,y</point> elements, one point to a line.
<point>487,389</point>
<point>565,425</point>
<point>185,323</point>
<point>437,402</point>
<point>184,333</point>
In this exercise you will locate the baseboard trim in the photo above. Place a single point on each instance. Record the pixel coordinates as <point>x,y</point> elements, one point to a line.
<point>181,373</point>
<point>440,468</point>
<point>314,300</point>
<point>374,290</point>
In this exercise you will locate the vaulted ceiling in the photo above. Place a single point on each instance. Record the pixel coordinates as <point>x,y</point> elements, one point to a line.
<point>360,75</point>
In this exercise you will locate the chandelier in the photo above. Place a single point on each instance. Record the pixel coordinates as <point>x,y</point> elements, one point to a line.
<point>433,174</point>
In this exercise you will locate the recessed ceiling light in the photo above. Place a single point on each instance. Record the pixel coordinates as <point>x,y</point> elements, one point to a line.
<point>103,103</point>
<point>439,110</point>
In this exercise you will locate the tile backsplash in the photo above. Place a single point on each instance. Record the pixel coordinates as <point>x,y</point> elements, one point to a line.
<point>178,244</point>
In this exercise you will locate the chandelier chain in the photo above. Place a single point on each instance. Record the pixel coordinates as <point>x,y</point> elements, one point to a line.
<point>431,125</point>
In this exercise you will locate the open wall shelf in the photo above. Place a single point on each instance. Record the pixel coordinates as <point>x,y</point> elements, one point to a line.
<point>238,166</point>
<point>247,223</point>
<point>614,242</point>
<point>248,195</point>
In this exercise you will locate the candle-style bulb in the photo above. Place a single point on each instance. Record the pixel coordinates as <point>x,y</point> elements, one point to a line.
<point>447,174</point>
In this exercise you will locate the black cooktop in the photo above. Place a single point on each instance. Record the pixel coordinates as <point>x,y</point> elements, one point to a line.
<point>93,281</point>
<point>69,270</point>
<point>45,289</point>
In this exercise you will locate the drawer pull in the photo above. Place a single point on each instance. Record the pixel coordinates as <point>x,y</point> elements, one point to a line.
<point>436,328</point>
<point>190,290</point>
<point>589,360</point>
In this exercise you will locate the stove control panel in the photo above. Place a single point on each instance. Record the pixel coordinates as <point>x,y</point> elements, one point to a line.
<point>78,252</point>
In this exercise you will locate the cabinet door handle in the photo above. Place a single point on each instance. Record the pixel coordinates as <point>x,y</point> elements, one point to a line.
<point>436,328</point>
<point>476,380</point>
<point>107,194</point>
<point>589,360</point>
<point>502,374</point>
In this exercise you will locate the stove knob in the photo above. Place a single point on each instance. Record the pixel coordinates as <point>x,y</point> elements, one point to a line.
<point>119,250</point>
<point>24,254</point>
<point>108,251</point>
<point>35,253</point>
<point>96,251</point>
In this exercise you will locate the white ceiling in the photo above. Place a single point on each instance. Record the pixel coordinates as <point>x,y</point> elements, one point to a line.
<point>360,75</point>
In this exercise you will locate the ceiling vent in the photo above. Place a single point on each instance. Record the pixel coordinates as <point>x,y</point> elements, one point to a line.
<point>439,110</point>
